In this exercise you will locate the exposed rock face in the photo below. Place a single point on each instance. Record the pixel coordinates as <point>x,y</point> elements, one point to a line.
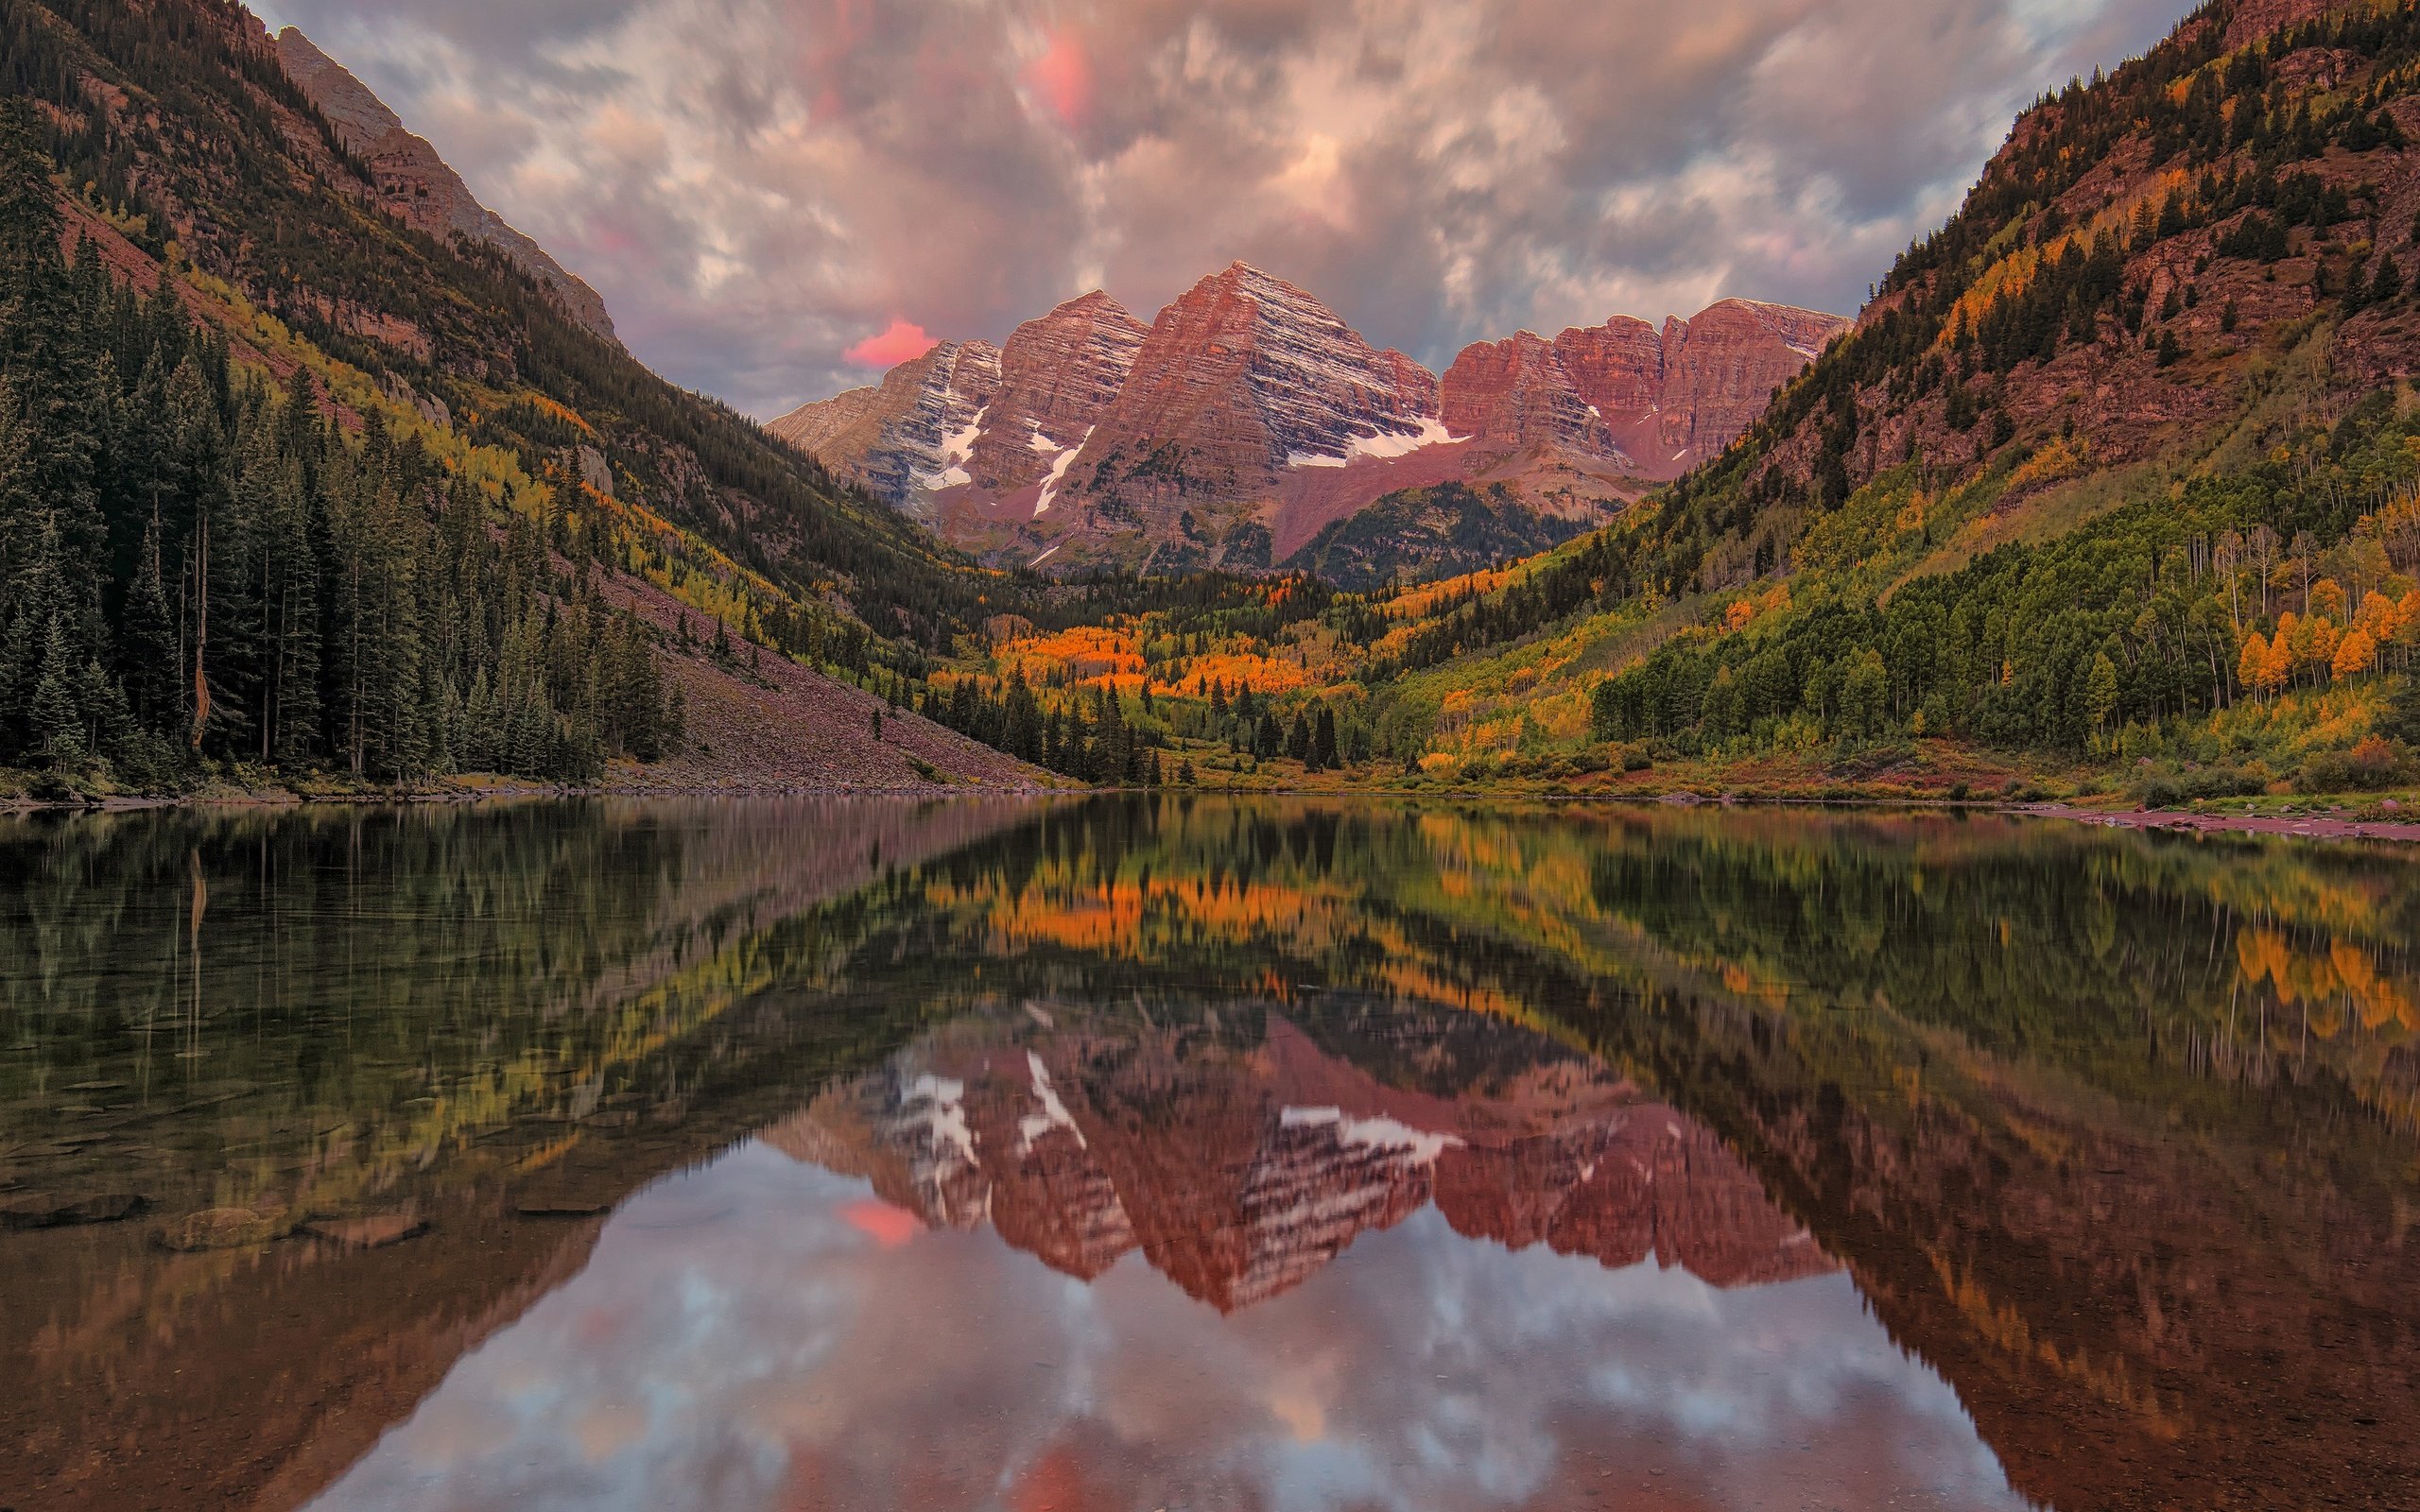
<point>1248,419</point>
<point>1059,375</point>
<point>1242,378</point>
<point>2251,20</point>
<point>1518,392</point>
<point>416,185</point>
<point>912,437</point>
<point>1238,1177</point>
<point>1656,404</point>
<point>1720,370</point>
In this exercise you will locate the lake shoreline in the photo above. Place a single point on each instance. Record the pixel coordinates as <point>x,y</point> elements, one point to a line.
<point>439,794</point>
<point>2302,826</point>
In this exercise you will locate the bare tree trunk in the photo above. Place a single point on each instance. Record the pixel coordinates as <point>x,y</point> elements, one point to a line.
<point>201,631</point>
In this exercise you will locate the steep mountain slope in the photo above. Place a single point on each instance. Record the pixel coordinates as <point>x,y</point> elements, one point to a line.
<point>416,185</point>
<point>2111,492</point>
<point>948,434</point>
<point>2130,270</point>
<point>1661,402</point>
<point>1249,418</point>
<point>305,243</point>
<point>394,508</point>
<point>2118,462</point>
<point>910,437</point>
<point>1059,376</point>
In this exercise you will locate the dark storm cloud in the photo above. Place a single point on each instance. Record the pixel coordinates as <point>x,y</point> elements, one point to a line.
<point>759,185</point>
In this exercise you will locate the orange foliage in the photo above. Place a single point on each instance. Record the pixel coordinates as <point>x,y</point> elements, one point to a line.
<point>1087,653</point>
<point>2354,654</point>
<point>2378,616</point>
<point>1417,602</point>
<point>2321,981</point>
<point>2265,665</point>
<point>1236,671</point>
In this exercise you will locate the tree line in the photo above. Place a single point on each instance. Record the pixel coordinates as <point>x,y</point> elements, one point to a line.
<point>199,567</point>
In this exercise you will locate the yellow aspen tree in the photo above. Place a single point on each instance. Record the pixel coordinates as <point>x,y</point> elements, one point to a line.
<point>2354,654</point>
<point>2279,668</point>
<point>2252,668</point>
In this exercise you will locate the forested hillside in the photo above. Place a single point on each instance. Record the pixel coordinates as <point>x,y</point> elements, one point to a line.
<point>2117,482</point>
<point>2118,476</point>
<point>2118,458</point>
<point>287,483</point>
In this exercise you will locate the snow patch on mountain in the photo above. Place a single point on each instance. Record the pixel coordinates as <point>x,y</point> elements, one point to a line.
<point>957,448</point>
<point>1058,474</point>
<point>934,1104</point>
<point>1431,432</point>
<point>1054,1113</point>
<point>1380,1133</point>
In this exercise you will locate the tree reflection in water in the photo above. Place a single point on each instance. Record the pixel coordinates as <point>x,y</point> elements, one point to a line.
<point>1174,1150</point>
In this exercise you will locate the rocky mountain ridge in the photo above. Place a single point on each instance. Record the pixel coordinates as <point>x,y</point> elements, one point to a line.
<point>418,186</point>
<point>1263,1166</point>
<point>1250,417</point>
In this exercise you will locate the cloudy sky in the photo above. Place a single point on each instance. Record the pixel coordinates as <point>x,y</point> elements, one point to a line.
<point>777,197</point>
<point>762,1334</point>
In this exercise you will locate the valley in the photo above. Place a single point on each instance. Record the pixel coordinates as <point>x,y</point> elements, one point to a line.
<point>2106,497</point>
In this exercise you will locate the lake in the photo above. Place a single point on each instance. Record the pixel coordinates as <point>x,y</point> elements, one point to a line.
<point>1182,1153</point>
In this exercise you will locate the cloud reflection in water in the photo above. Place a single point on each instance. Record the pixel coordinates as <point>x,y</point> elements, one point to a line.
<point>765,1332</point>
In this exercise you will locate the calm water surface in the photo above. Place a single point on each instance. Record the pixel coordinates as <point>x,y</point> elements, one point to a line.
<point>1158,1155</point>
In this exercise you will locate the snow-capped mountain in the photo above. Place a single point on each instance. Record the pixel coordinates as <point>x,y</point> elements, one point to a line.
<point>912,438</point>
<point>1249,418</point>
<point>1253,1171</point>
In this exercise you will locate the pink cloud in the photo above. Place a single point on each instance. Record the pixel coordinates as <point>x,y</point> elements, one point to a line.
<point>882,1223</point>
<point>1064,78</point>
<point>902,342</point>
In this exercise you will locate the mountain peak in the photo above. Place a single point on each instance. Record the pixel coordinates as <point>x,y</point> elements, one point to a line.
<point>1654,403</point>
<point>1249,414</point>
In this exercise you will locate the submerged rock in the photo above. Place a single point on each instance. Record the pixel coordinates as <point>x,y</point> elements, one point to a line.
<point>222,1229</point>
<point>369,1232</point>
<point>54,1211</point>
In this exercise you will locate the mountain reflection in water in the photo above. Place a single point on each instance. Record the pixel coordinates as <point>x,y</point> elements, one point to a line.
<point>847,1313</point>
<point>1201,1154</point>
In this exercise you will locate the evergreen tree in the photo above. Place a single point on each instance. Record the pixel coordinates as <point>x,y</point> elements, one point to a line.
<point>56,723</point>
<point>147,644</point>
<point>2403,712</point>
<point>2387,286</point>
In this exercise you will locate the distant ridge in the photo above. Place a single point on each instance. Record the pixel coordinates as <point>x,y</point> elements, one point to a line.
<point>417,185</point>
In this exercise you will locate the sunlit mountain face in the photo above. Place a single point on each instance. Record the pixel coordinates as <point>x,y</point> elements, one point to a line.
<point>1196,1153</point>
